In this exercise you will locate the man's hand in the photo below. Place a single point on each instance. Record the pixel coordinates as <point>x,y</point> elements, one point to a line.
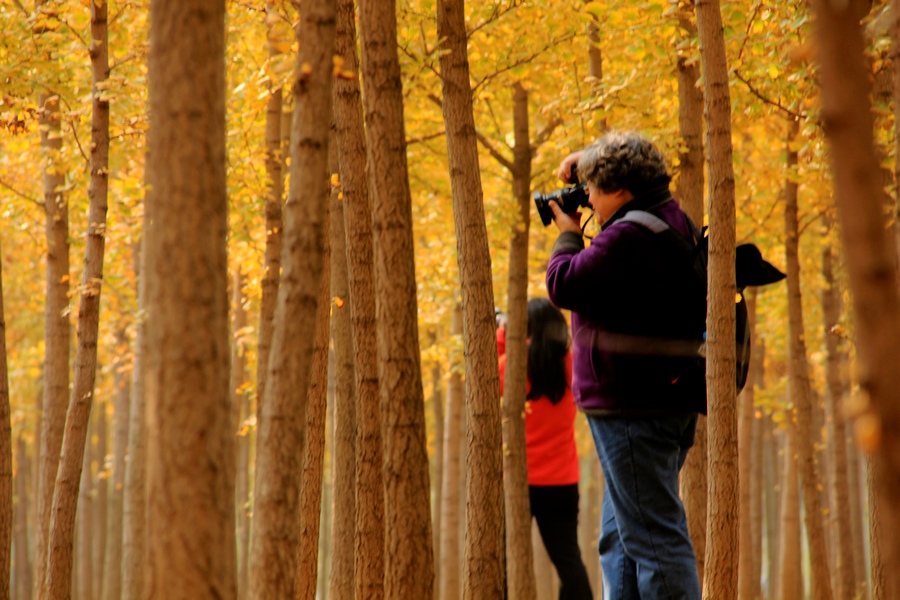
<point>565,167</point>
<point>565,222</point>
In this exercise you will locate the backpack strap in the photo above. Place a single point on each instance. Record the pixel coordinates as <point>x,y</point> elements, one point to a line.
<point>645,219</point>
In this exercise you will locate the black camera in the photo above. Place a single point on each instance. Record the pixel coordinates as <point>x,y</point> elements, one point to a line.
<point>569,199</point>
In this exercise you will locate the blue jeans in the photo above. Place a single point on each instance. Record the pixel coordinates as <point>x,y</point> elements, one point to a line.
<point>645,550</point>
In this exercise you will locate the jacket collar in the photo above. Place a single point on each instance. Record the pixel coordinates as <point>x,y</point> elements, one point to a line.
<point>647,201</point>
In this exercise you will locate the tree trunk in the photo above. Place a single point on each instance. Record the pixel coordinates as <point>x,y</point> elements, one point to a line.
<point>65,491</point>
<point>84,575</point>
<point>240,410</point>
<point>721,559</point>
<point>281,433</point>
<point>57,333</point>
<point>314,448</point>
<point>879,568</point>
<point>112,571</point>
<point>831,312</point>
<point>134,508</point>
<point>188,408</point>
<point>409,563</point>
<point>98,496</point>
<point>543,568</point>
<point>343,457</point>
<point>791,580</point>
<point>437,478</point>
<point>452,472</point>
<point>24,585</point>
<point>870,254</point>
<point>483,576</point>
<point>6,464</point>
<point>274,226</point>
<point>855,485</point>
<point>590,522</point>
<point>757,483</point>
<point>773,485</point>
<point>748,583</point>
<point>368,553</point>
<point>519,560</point>
<point>801,392</point>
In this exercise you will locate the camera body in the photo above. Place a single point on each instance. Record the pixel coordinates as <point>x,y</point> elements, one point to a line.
<point>569,199</point>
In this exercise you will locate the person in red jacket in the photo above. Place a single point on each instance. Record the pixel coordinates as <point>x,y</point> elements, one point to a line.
<point>550,451</point>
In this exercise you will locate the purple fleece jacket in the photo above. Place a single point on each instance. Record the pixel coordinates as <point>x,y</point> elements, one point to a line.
<point>637,316</point>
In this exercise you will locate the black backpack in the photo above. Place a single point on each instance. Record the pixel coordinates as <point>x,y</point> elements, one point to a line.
<point>750,270</point>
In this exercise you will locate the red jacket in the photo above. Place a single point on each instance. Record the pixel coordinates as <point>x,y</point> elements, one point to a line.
<point>549,433</point>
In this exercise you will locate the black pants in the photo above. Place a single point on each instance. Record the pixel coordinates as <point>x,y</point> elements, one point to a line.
<point>555,507</point>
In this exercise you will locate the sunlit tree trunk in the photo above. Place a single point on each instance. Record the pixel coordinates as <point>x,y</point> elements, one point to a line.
<point>483,575</point>
<point>86,517</point>
<point>870,255</point>
<point>747,580</point>
<point>6,463</point>
<point>791,580</point>
<point>21,508</point>
<point>801,392</point>
<point>112,571</point>
<point>437,476</point>
<point>543,568</point>
<point>98,493</point>
<point>452,473</point>
<point>519,562</point>
<point>368,553</point>
<point>409,562</point>
<point>314,447</point>
<point>831,312</point>
<point>65,491</point>
<point>343,457</point>
<point>282,427</point>
<point>134,509</point>
<point>855,485</point>
<point>57,332</point>
<point>772,487</point>
<point>721,559</point>
<point>757,482</point>
<point>188,404</point>
<point>879,573</point>
<point>240,405</point>
<point>589,522</point>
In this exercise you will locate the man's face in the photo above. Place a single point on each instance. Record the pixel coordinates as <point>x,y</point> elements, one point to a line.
<point>606,203</point>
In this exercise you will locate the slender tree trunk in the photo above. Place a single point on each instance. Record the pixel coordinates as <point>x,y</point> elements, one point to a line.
<point>452,473</point>
<point>368,553</point>
<point>65,491</point>
<point>801,392</point>
<point>854,485</point>
<point>483,575</point>
<point>112,571</point>
<point>98,496</point>
<point>721,560</point>
<point>240,405</point>
<point>134,509</point>
<point>773,489</point>
<point>879,568</point>
<point>327,491</point>
<point>6,462</point>
<point>437,478</point>
<point>24,585</point>
<point>314,448</point>
<point>281,433</point>
<point>409,563</point>
<point>274,226</point>
<point>870,254</point>
<point>84,574</point>
<point>543,568</point>
<point>757,482</point>
<point>791,581</point>
<point>343,457</point>
<point>748,585</point>
<point>57,333</point>
<point>188,404</point>
<point>519,560</point>
<point>831,311</point>
<point>590,522</point>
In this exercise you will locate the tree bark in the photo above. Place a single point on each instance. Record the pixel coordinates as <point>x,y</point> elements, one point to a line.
<point>757,482</point>
<point>721,561</point>
<point>314,448</point>
<point>112,571</point>
<point>772,506</point>
<point>543,568</point>
<point>791,580</point>
<point>748,582</point>
<point>801,392</point>
<point>134,508</point>
<point>57,333</point>
<point>831,312</point>
<point>519,561</point>
<point>409,562</point>
<point>368,579</point>
<point>21,507</point>
<point>483,575</point>
<point>98,496</point>
<point>452,473</point>
<point>65,491</point>
<point>83,576</point>
<point>343,523</point>
<point>6,461</point>
<point>855,486</point>
<point>879,568</point>
<point>437,477</point>
<point>281,433</point>
<point>240,409</point>
<point>190,448</point>
<point>870,253</point>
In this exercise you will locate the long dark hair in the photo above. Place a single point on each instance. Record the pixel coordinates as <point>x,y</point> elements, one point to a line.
<point>548,333</point>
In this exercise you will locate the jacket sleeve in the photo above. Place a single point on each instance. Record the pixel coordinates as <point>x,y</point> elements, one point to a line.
<point>580,278</point>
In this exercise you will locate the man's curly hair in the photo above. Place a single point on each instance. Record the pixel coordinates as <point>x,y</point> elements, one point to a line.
<point>623,161</point>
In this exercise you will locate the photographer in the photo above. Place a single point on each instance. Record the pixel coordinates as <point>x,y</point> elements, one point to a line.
<point>632,302</point>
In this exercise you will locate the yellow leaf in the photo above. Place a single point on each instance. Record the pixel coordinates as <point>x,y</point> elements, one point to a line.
<point>338,302</point>
<point>335,180</point>
<point>773,71</point>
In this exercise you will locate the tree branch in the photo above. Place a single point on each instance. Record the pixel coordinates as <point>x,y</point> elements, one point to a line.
<point>494,152</point>
<point>769,101</point>
<point>20,194</point>
<point>521,61</point>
